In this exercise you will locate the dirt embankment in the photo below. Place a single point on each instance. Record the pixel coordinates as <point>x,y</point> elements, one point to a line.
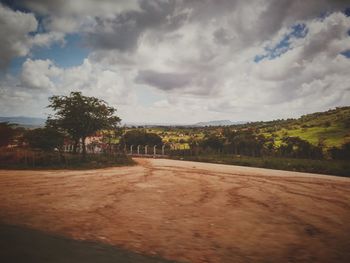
<point>186,211</point>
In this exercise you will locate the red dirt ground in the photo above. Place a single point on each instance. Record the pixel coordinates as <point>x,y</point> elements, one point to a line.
<point>187,211</point>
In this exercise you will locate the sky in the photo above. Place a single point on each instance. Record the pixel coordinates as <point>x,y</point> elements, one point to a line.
<point>177,61</point>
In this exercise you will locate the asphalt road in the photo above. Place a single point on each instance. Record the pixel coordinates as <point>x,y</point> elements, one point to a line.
<point>24,245</point>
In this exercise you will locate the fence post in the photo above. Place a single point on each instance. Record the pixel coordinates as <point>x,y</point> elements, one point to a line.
<point>163,149</point>
<point>25,157</point>
<point>118,148</point>
<point>17,159</point>
<point>146,146</point>
<point>154,150</point>
<point>131,149</point>
<point>138,149</point>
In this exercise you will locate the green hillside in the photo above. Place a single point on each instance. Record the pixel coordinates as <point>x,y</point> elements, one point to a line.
<point>327,129</point>
<point>330,128</point>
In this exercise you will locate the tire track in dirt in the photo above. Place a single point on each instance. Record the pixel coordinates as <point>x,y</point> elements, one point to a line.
<point>307,228</point>
<point>299,184</point>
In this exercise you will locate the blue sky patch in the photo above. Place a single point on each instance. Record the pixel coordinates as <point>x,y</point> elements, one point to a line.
<point>297,31</point>
<point>71,54</point>
<point>346,53</point>
<point>347,11</point>
<point>16,65</point>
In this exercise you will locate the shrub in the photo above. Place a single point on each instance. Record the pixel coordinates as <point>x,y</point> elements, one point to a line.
<point>342,153</point>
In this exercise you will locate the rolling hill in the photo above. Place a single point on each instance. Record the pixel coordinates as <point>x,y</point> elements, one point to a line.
<point>27,122</point>
<point>330,128</point>
<point>217,123</point>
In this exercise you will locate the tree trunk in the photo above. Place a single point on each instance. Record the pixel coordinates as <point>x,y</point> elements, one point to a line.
<point>84,148</point>
<point>75,146</point>
<point>62,158</point>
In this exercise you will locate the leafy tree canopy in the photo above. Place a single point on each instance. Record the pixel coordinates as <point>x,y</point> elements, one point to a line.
<point>140,137</point>
<point>81,116</point>
<point>342,153</point>
<point>7,132</point>
<point>213,142</point>
<point>44,138</point>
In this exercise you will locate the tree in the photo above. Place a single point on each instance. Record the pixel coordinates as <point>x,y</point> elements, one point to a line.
<point>342,153</point>
<point>212,142</point>
<point>140,137</point>
<point>7,132</point>
<point>299,148</point>
<point>46,139</point>
<point>81,116</point>
<point>245,142</point>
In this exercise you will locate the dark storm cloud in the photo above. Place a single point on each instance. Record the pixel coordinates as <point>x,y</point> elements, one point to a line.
<point>124,31</point>
<point>117,26</point>
<point>163,81</point>
<point>221,36</point>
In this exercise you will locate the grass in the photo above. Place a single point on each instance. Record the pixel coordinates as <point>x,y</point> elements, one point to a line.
<point>29,159</point>
<point>332,136</point>
<point>330,127</point>
<point>331,167</point>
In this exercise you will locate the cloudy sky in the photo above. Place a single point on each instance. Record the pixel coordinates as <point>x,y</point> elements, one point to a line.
<point>177,61</point>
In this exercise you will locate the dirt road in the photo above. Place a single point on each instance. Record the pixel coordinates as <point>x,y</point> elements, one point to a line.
<point>187,211</point>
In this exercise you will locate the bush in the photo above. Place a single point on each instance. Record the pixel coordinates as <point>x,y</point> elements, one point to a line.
<point>342,153</point>
<point>137,137</point>
<point>339,167</point>
<point>212,142</point>
<point>7,132</point>
<point>27,159</point>
<point>298,148</point>
<point>44,138</point>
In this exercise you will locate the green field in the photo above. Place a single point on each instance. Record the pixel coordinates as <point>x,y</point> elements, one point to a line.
<point>330,136</point>
<point>329,129</point>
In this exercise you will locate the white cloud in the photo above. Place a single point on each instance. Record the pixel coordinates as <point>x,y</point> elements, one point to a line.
<point>45,77</point>
<point>72,16</point>
<point>16,41</point>
<point>14,29</point>
<point>92,79</point>
<point>39,74</point>
<point>16,100</point>
<point>199,55</point>
<point>47,39</point>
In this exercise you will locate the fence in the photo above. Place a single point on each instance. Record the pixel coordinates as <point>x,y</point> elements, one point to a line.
<point>96,153</point>
<point>132,150</point>
<point>26,158</point>
<point>146,151</point>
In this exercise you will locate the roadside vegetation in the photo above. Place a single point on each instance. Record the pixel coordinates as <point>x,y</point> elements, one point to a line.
<point>318,142</point>
<point>331,167</point>
<point>76,117</point>
<point>39,159</point>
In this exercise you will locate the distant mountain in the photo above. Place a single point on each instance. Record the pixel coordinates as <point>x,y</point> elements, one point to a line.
<point>24,121</point>
<point>218,123</point>
<point>149,124</point>
<point>198,124</point>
